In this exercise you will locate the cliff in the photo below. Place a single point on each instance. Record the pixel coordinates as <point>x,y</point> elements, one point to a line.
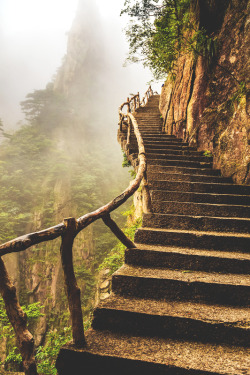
<point>206,103</point>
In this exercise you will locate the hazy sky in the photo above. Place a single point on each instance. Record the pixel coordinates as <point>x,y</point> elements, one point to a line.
<point>33,41</point>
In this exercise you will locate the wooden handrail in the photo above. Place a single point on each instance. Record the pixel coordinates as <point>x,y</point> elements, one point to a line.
<point>68,230</point>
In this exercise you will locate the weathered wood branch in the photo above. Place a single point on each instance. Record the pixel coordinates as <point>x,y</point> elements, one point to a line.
<point>118,232</point>
<point>28,240</point>
<point>18,320</point>
<point>72,290</point>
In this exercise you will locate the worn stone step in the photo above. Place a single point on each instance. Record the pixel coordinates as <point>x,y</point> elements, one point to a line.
<point>150,131</point>
<point>161,145</point>
<point>147,112</point>
<point>163,137</point>
<point>163,140</point>
<point>159,139</point>
<point>183,170</point>
<point>179,163</point>
<point>168,195</point>
<point>111,353</point>
<point>200,187</point>
<point>176,320</point>
<point>189,222</point>
<point>170,156</point>
<point>171,152</point>
<point>201,209</point>
<point>148,119</point>
<point>167,176</point>
<point>179,285</point>
<point>180,152</point>
<point>151,128</point>
<point>188,259</point>
<point>194,239</point>
<point>166,143</point>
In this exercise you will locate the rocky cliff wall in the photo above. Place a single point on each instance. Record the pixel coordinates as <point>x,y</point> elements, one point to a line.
<point>208,104</point>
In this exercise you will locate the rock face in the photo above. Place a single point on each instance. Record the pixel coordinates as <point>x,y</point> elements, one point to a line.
<point>208,106</point>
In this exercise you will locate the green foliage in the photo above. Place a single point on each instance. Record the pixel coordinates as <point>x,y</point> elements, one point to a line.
<point>46,355</point>
<point>160,33</point>
<point>156,37</point>
<point>208,154</point>
<point>239,94</point>
<point>13,357</point>
<point>51,168</point>
<point>46,108</point>
<point>126,163</point>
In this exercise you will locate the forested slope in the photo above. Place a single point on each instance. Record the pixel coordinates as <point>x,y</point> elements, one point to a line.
<point>63,162</point>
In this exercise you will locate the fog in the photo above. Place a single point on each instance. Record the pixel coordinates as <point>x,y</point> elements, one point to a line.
<point>33,41</point>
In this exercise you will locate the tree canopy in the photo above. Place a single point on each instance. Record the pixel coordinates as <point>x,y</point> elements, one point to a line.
<point>160,31</point>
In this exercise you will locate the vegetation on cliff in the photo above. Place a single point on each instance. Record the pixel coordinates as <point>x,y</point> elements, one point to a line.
<point>50,169</point>
<point>201,48</point>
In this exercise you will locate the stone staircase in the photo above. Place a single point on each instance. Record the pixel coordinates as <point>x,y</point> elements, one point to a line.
<point>179,305</point>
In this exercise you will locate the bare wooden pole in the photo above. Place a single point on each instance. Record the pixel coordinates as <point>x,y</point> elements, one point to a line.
<point>18,320</point>
<point>118,232</point>
<point>128,101</point>
<point>72,290</point>
<point>129,132</point>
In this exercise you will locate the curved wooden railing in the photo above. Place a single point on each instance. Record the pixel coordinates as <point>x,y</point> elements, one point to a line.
<point>68,230</point>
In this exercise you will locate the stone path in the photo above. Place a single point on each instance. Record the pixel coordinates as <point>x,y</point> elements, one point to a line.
<point>179,305</point>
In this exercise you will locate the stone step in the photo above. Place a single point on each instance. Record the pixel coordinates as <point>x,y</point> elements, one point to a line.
<point>164,176</point>
<point>201,209</point>
<point>189,222</point>
<point>156,130</point>
<point>199,187</point>
<point>170,156</point>
<point>180,152</point>
<point>148,119</point>
<point>148,132</point>
<point>188,259</point>
<point>183,170</point>
<point>175,320</point>
<point>150,124</point>
<point>159,136</point>
<point>163,137</point>
<point>123,354</point>
<point>179,285</point>
<point>179,163</point>
<point>168,195</point>
<point>194,239</point>
<point>171,152</point>
<point>167,143</point>
<point>160,145</point>
<point>153,127</point>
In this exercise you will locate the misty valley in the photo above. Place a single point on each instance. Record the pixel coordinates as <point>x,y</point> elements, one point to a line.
<point>62,162</point>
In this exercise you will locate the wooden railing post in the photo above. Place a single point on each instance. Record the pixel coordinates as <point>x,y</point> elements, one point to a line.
<point>18,320</point>
<point>72,290</point>
<point>128,133</point>
<point>134,103</point>
<point>118,232</point>
<point>128,101</point>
